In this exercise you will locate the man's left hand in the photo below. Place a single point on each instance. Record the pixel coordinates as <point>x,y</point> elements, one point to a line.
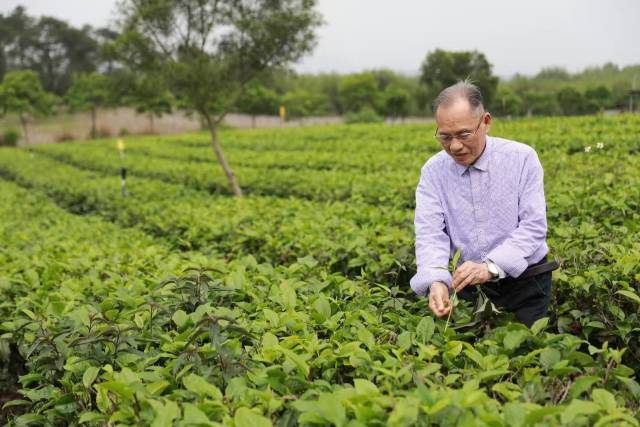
<point>470,273</point>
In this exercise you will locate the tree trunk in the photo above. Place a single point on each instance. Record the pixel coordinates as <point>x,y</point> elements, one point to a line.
<point>23,121</point>
<point>94,132</point>
<point>213,129</point>
<point>150,122</point>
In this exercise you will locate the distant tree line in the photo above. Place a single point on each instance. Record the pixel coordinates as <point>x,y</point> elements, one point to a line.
<point>84,69</point>
<point>554,91</point>
<point>47,66</point>
<point>213,57</point>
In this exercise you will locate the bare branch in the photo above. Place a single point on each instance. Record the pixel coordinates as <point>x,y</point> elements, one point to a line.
<point>205,28</point>
<point>189,23</point>
<point>137,7</point>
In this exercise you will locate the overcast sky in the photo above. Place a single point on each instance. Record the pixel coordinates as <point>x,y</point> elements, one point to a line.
<point>516,36</point>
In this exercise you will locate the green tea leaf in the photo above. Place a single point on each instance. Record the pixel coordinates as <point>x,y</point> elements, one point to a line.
<point>327,408</point>
<point>199,385</point>
<point>89,417</point>
<point>193,415</point>
<point>605,399</point>
<point>322,307</point>
<point>513,339</point>
<point>365,387</point>
<point>549,357</point>
<point>582,384</point>
<point>425,329</point>
<point>509,390</point>
<point>288,295</point>
<point>456,258</point>
<point>17,402</point>
<point>630,295</point>
<point>539,325</point>
<point>121,389</point>
<point>367,338</point>
<point>165,413</point>
<point>631,385</point>
<point>246,417</point>
<point>577,407</point>
<point>90,376</point>
<point>405,412</point>
<point>300,363</point>
<point>180,318</point>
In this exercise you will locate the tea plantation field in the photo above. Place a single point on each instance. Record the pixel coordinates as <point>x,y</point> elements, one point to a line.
<point>182,305</point>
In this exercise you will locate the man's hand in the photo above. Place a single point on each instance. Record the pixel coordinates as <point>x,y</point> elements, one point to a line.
<point>470,273</point>
<point>439,299</point>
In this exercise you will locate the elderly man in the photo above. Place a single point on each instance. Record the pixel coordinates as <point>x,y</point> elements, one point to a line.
<point>485,196</point>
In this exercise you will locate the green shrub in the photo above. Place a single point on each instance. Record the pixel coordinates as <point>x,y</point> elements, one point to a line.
<point>65,137</point>
<point>9,138</point>
<point>103,132</point>
<point>365,115</point>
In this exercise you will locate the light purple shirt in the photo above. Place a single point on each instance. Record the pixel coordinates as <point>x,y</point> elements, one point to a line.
<point>492,210</point>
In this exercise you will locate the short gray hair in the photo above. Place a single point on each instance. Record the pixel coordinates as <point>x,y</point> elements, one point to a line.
<point>464,89</point>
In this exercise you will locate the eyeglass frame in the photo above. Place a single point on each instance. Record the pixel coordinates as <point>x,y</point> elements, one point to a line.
<point>459,136</point>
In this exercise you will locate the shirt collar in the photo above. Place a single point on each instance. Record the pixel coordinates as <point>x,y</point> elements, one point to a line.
<point>482,163</point>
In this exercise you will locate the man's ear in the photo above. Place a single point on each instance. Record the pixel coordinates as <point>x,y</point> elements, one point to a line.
<point>487,120</point>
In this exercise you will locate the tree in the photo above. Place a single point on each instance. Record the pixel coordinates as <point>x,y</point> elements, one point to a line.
<point>620,94</point>
<point>303,103</point>
<point>89,91</point>
<point>105,38</point>
<point>385,78</point>
<point>441,69</point>
<point>62,51</point>
<point>540,103</point>
<point>285,81</point>
<point>16,36</point>
<point>328,83</point>
<point>122,85</point>
<point>358,91</point>
<point>396,101</point>
<point>553,73</point>
<point>149,95</point>
<point>257,99</point>
<point>21,92</point>
<point>597,98</point>
<point>570,101</point>
<point>506,103</point>
<point>208,50</point>
<point>49,46</point>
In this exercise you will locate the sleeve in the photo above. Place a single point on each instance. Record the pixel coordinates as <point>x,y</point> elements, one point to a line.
<point>511,254</point>
<point>433,245</point>
<point>501,273</point>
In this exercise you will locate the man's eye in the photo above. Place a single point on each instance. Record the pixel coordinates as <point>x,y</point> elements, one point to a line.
<point>465,135</point>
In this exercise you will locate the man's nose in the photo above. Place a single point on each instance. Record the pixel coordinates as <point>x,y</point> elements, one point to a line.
<point>455,145</point>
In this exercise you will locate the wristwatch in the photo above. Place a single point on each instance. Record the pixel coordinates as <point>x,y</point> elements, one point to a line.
<point>492,269</point>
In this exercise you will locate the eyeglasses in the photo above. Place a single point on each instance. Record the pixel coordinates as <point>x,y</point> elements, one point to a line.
<point>445,139</point>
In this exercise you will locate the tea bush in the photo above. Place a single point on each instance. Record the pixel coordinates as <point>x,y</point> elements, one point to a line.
<point>181,305</point>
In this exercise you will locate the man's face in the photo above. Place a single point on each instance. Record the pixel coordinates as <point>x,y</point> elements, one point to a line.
<point>462,132</point>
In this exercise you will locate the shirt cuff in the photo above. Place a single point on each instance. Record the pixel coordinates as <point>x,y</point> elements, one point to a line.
<point>423,279</point>
<point>507,258</point>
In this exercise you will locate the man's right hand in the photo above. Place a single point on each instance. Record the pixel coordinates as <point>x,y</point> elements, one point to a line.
<point>439,301</point>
